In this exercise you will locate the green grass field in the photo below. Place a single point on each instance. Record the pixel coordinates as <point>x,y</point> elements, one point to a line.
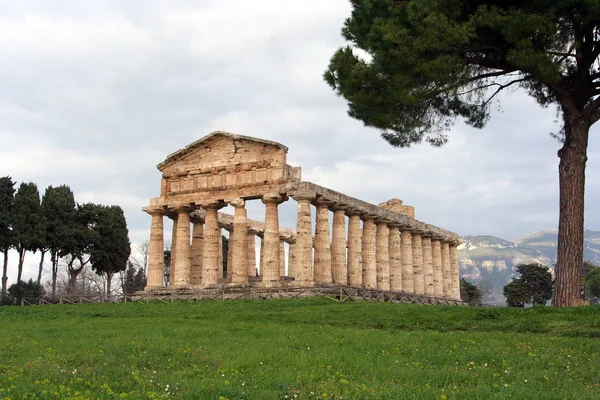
<point>297,349</point>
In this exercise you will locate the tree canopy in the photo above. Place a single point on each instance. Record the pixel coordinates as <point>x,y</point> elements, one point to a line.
<point>469,293</point>
<point>28,224</point>
<point>415,66</point>
<point>533,286</point>
<point>7,194</point>
<point>111,248</point>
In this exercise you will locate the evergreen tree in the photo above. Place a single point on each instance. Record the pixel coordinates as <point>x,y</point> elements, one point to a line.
<point>517,294</point>
<point>29,291</point>
<point>81,238</point>
<point>533,286</point>
<point>469,293</point>
<point>7,193</point>
<point>414,66</point>
<point>28,223</point>
<point>140,280</point>
<point>58,206</point>
<point>591,284</point>
<point>111,248</point>
<point>129,283</point>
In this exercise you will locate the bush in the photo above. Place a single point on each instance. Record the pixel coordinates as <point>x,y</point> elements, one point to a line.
<point>29,291</point>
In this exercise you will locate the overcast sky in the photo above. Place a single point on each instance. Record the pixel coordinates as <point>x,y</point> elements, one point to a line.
<point>95,94</point>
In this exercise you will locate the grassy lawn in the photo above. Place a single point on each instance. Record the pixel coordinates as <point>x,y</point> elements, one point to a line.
<point>304,349</point>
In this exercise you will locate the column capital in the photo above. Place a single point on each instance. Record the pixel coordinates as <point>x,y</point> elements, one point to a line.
<point>322,202</point>
<point>368,217</point>
<point>273,198</point>
<point>338,207</point>
<point>195,219</point>
<point>237,202</point>
<point>393,225</point>
<point>380,221</point>
<point>352,212</point>
<point>303,195</point>
<point>154,210</point>
<point>183,207</point>
<point>213,205</point>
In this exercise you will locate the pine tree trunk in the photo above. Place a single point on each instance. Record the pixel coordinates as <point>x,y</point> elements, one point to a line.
<point>39,278</point>
<point>571,172</point>
<point>5,273</point>
<point>73,274</point>
<point>21,261</point>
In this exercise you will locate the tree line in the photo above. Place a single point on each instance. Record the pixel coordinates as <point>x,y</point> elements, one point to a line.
<point>57,228</point>
<point>534,285</point>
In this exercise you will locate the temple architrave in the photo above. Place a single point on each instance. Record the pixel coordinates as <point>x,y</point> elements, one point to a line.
<point>379,247</point>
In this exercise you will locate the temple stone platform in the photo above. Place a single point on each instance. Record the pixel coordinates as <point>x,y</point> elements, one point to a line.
<point>375,251</point>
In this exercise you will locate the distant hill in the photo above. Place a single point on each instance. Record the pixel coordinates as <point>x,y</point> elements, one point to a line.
<point>492,260</point>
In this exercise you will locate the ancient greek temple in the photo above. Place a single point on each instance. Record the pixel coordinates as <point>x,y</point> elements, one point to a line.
<point>367,246</point>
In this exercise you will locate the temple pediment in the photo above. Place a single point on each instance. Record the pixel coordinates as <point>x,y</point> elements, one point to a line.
<point>221,162</point>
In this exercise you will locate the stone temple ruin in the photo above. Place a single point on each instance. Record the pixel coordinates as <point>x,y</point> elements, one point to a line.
<point>390,251</point>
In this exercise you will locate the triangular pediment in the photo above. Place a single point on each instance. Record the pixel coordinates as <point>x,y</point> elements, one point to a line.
<point>193,150</point>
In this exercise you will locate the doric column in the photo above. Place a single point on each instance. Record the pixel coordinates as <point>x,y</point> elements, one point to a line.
<point>369,260</point>
<point>428,266</point>
<point>322,244</point>
<point>446,270</point>
<point>211,251</point>
<point>395,259</point>
<point>221,272</point>
<point>291,254</point>
<point>156,258</point>
<point>182,257</point>
<point>229,251</point>
<point>438,279</point>
<point>408,284</point>
<point>281,257</point>
<point>270,263</point>
<point>302,268</point>
<point>238,243</point>
<point>339,273</point>
<point>173,263</point>
<point>382,254</point>
<point>454,271</point>
<point>354,250</point>
<point>417,253</point>
<point>196,255</point>
<point>251,240</point>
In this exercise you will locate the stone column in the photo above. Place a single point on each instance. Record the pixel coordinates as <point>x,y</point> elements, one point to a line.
<point>291,256</point>
<point>156,251</point>
<point>339,273</point>
<point>408,285</point>
<point>438,279</point>
<point>395,259</point>
<point>281,257</point>
<point>251,253</point>
<point>369,260</point>
<point>221,272</point>
<point>173,263</point>
<point>302,268</point>
<point>182,256</point>
<point>454,271</point>
<point>417,253</point>
<point>270,262</point>
<point>428,266</point>
<point>238,244</point>
<point>229,251</point>
<point>211,250</point>
<point>261,252</point>
<point>196,255</point>
<point>322,244</point>
<point>355,274</point>
<point>446,270</point>
<point>382,254</point>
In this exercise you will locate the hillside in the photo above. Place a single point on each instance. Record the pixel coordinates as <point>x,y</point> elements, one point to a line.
<point>491,259</point>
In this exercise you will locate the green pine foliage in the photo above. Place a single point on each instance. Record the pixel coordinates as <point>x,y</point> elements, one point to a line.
<point>413,67</point>
<point>533,286</point>
<point>469,293</point>
<point>28,223</point>
<point>7,197</point>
